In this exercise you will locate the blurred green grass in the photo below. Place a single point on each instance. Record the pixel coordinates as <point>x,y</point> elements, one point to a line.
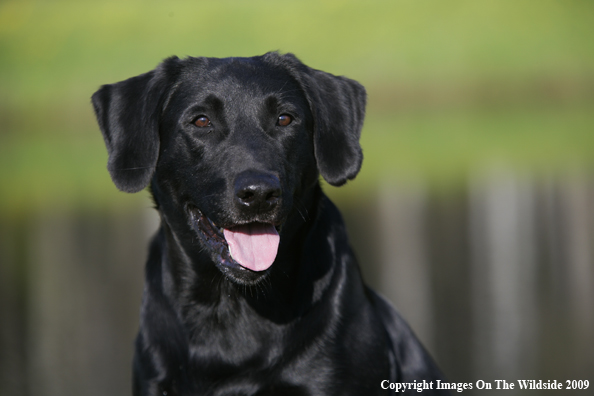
<point>453,86</point>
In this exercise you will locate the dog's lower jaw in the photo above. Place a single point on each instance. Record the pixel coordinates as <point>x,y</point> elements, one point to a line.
<point>214,243</point>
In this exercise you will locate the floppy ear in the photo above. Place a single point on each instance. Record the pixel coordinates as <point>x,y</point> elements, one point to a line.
<point>338,107</point>
<point>128,113</point>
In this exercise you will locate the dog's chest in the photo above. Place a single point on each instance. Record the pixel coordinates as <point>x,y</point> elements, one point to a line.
<point>261,367</point>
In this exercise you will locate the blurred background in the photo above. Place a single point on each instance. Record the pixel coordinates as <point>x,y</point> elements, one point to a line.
<point>474,211</point>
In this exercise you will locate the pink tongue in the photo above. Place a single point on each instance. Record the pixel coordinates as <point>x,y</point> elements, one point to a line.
<point>253,245</point>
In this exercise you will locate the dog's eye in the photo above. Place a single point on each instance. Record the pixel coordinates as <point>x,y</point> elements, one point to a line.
<point>284,120</point>
<point>202,122</point>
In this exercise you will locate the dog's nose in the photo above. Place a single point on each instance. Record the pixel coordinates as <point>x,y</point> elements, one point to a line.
<point>257,191</point>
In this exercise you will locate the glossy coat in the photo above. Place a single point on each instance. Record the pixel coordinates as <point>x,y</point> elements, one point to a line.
<point>210,137</point>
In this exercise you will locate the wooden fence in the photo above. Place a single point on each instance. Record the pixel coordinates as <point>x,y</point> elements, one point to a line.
<point>497,279</point>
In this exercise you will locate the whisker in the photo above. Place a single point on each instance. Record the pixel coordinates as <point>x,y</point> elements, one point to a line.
<point>298,203</point>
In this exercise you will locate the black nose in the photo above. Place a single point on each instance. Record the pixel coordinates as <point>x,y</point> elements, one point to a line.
<point>257,191</point>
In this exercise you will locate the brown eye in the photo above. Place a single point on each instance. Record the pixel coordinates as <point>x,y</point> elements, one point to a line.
<point>202,122</point>
<point>284,120</point>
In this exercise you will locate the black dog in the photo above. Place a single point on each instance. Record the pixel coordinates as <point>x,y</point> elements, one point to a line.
<point>251,285</point>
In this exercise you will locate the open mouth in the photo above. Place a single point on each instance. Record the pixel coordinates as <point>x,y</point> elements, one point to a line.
<point>252,246</point>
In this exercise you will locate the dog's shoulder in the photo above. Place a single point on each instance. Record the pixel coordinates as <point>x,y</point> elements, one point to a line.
<point>408,358</point>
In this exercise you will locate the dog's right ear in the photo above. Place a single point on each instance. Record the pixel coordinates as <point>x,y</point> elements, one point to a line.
<point>128,113</point>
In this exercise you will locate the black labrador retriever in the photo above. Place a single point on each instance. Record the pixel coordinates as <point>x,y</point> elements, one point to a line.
<point>251,285</point>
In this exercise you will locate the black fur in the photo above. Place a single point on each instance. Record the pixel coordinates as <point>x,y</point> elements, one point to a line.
<point>305,326</point>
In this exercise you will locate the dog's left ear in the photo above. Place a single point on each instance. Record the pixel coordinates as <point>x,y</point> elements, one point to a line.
<point>128,113</point>
<point>338,107</point>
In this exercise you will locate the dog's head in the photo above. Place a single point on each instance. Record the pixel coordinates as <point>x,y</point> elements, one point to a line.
<point>230,145</point>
